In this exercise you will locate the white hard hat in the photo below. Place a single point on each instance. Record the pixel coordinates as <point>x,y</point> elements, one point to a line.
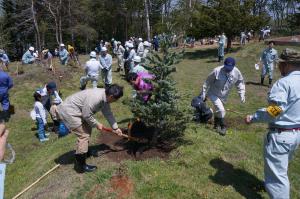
<point>118,42</point>
<point>146,43</point>
<point>140,39</point>
<point>62,45</point>
<point>31,48</point>
<point>103,49</point>
<point>93,54</point>
<point>130,45</point>
<point>137,59</point>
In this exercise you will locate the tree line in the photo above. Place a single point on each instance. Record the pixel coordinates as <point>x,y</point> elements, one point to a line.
<point>82,23</point>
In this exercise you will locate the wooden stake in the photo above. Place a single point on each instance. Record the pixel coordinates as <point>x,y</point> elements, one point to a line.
<point>39,179</point>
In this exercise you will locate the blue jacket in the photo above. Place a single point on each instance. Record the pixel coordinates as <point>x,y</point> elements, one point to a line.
<point>63,54</point>
<point>28,57</point>
<point>284,104</point>
<point>5,82</point>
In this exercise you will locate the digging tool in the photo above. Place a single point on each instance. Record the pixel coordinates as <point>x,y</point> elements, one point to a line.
<point>39,179</point>
<point>122,135</point>
<point>233,111</point>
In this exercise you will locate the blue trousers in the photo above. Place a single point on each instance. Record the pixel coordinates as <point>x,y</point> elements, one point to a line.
<point>4,99</point>
<point>279,148</point>
<point>41,128</point>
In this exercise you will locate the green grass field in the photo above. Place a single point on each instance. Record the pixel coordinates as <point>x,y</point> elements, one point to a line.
<point>205,165</point>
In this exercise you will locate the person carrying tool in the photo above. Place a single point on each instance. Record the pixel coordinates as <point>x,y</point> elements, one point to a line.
<point>120,55</point>
<point>268,59</point>
<point>4,59</point>
<point>63,55</point>
<point>222,42</point>
<point>217,86</point>
<point>28,57</point>
<point>92,68</point>
<point>282,115</point>
<point>77,113</point>
<point>106,69</point>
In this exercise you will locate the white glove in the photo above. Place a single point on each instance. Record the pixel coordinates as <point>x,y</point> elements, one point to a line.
<point>243,99</point>
<point>118,131</point>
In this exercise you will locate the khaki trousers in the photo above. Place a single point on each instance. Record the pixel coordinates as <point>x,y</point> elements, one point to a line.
<point>53,112</point>
<point>83,134</point>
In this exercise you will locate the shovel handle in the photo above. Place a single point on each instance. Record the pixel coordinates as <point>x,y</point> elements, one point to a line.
<point>122,135</point>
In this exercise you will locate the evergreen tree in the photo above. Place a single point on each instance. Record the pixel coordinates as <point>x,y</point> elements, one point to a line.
<point>162,111</point>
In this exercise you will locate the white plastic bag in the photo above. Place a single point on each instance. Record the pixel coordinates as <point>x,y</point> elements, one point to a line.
<point>33,115</point>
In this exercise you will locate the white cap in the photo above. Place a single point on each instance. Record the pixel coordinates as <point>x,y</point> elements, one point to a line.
<point>140,39</point>
<point>62,45</point>
<point>56,101</point>
<point>137,59</point>
<point>31,48</point>
<point>146,43</point>
<point>93,54</point>
<point>103,49</point>
<point>118,42</point>
<point>130,45</point>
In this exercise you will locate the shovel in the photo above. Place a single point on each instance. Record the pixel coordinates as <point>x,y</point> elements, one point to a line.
<point>122,135</point>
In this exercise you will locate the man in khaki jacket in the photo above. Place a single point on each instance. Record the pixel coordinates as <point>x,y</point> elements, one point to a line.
<point>77,114</point>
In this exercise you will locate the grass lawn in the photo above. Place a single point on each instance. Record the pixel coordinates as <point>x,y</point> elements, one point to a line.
<point>205,165</point>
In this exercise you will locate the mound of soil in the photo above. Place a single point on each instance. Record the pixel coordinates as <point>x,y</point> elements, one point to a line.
<point>121,185</point>
<point>120,149</point>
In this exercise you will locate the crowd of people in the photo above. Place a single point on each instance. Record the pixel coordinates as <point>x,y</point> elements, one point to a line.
<point>76,112</point>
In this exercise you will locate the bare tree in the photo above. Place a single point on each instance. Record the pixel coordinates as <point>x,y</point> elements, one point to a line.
<point>147,19</point>
<point>54,8</point>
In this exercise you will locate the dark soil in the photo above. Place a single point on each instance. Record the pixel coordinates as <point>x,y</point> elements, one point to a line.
<point>291,40</point>
<point>120,149</point>
<point>121,185</point>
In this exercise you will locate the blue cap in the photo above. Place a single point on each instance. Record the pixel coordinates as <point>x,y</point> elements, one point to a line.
<point>229,63</point>
<point>51,85</point>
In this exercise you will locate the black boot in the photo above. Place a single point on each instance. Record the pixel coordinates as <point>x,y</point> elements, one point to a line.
<point>82,87</point>
<point>55,126</point>
<point>216,122</point>
<point>91,153</point>
<point>262,80</point>
<point>80,165</point>
<point>270,82</point>
<point>221,58</point>
<point>222,129</point>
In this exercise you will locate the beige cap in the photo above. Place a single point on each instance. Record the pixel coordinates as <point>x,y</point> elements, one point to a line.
<point>290,56</point>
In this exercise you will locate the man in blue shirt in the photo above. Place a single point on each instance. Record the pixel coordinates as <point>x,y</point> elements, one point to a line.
<point>268,59</point>
<point>28,57</point>
<point>283,116</point>
<point>63,55</point>
<point>6,83</point>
